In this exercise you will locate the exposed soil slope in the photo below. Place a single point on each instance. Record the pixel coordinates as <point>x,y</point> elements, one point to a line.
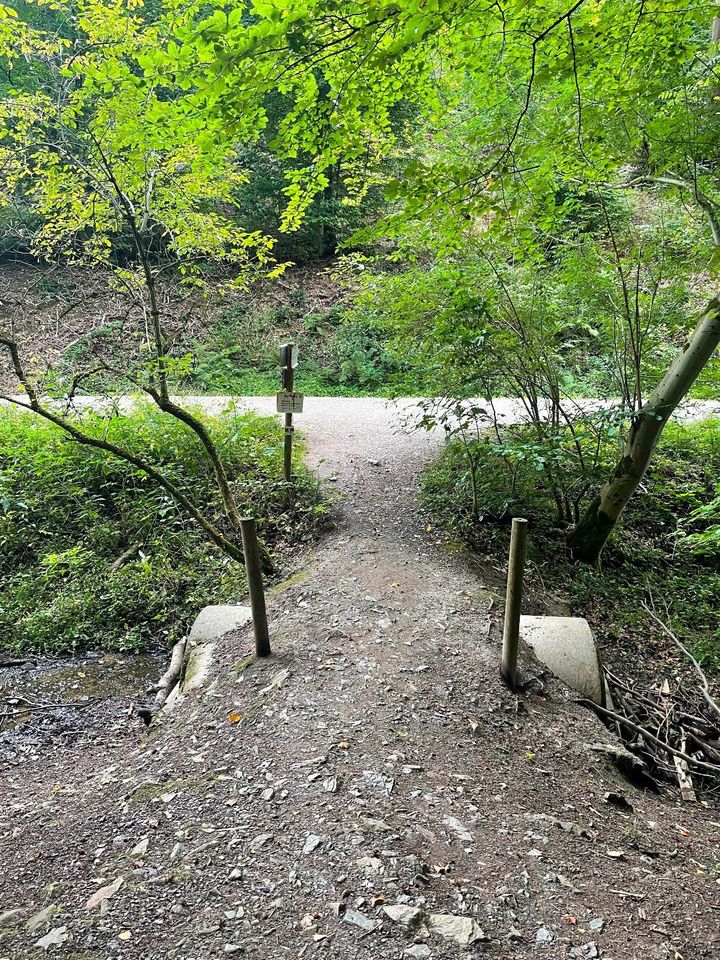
<point>374,761</point>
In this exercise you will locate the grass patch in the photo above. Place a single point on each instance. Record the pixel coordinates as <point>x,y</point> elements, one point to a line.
<point>650,555</point>
<point>67,512</point>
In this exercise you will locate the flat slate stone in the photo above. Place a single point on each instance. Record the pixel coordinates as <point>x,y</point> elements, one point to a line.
<point>217,620</point>
<point>567,647</point>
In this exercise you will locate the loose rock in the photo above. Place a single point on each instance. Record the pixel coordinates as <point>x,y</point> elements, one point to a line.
<point>458,828</point>
<point>463,930</point>
<point>312,842</point>
<point>419,952</point>
<point>403,914</point>
<point>56,937</point>
<point>41,918</point>
<point>360,920</point>
<point>104,893</point>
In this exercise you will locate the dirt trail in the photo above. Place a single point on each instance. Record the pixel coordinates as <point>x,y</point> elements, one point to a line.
<point>375,761</point>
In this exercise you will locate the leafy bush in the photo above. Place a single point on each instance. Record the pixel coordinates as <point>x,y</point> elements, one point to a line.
<point>665,548</point>
<point>339,355</point>
<point>68,512</point>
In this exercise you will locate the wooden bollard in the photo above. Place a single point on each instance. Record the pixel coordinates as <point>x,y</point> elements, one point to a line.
<point>288,384</point>
<point>255,586</point>
<point>513,602</point>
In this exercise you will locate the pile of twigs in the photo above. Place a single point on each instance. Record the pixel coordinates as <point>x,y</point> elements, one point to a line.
<point>674,726</point>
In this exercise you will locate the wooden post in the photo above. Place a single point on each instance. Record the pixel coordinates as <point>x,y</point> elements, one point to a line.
<point>255,586</point>
<point>288,383</point>
<point>513,602</point>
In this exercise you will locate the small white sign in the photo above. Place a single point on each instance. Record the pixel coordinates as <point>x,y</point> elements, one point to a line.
<point>289,402</point>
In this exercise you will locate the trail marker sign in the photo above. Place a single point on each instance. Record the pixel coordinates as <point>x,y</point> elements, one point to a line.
<point>288,402</point>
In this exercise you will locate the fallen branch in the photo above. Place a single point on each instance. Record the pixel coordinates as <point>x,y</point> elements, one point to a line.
<point>696,736</point>
<point>171,676</point>
<point>40,707</point>
<point>710,768</point>
<point>125,557</point>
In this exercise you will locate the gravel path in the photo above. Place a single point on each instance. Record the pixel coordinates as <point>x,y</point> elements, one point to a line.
<point>370,791</point>
<point>321,413</point>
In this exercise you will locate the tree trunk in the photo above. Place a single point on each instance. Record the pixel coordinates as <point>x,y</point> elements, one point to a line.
<point>593,530</point>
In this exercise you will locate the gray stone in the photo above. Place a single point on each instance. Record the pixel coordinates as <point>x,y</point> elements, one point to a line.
<point>9,914</point>
<point>419,952</point>
<point>41,919</point>
<point>55,938</point>
<point>403,914</point>
<point>458,828</point>
<point>463,930</point>
<point>544,935</point>
<point>258,842</point>
<point>566,646</point>
<point>140,848</point>
<point>588,951</point>
<point>312,842</point>
<point>360,920</point>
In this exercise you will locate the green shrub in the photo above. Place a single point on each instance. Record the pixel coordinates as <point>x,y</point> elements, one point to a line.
<point>339,355</point>
<point>68,512</point>
<point>662,551</point>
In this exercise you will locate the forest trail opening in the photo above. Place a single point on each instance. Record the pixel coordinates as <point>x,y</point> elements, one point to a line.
<point>371,790</point>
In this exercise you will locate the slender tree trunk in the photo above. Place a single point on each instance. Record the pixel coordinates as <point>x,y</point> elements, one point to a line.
<point>593,530</point>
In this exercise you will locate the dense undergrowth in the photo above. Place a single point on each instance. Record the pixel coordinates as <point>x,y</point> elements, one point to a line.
<point>340,356</point>
<point>67,513</point>
<point>658,555</point>
<point>234,349</point>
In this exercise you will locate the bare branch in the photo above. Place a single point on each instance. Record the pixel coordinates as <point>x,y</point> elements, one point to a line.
<point>704,684</point>
<point>73,431</point>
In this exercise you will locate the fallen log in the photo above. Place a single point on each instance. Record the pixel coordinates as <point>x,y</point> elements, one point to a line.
<point>125,557</point>
<point>15,661</point>
<point>171,676</point>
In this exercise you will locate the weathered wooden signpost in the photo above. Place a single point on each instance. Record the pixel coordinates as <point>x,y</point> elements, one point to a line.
<point>288,401</point>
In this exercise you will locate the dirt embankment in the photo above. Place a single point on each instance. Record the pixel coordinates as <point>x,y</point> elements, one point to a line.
<point>63,318</point>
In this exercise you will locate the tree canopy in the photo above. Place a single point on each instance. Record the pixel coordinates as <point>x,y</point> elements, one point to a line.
<point>128,132</point>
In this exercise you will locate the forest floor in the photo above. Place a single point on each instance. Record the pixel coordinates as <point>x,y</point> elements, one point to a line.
<point>371,790</point>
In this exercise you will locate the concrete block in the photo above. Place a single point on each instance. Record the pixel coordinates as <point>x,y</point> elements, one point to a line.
<point>566,646</point>
<point>217,620</point>
<point>211,623</point>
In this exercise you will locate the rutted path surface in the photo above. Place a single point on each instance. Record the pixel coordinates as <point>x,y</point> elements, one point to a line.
<point>375,761</point>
